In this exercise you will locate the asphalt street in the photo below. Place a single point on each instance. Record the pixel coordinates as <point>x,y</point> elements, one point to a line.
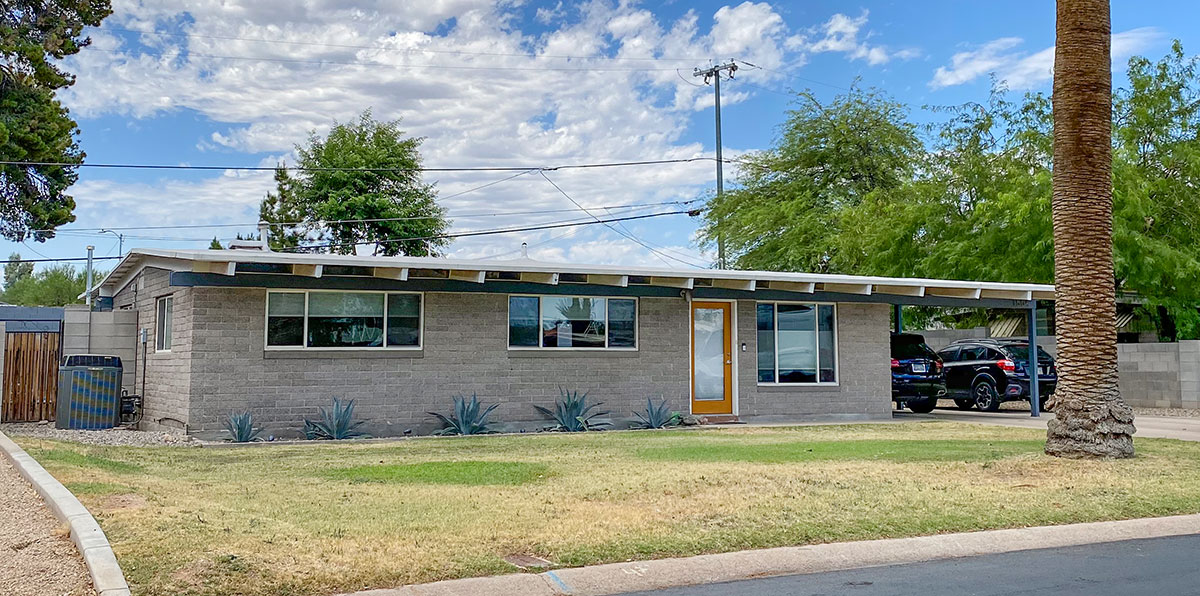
<point>1156,567</point>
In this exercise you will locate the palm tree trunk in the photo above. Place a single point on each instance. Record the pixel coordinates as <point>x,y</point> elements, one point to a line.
<point>1090,420</point>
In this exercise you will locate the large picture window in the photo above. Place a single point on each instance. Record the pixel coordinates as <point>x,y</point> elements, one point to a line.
<point>331,320</point>
<point>572,322</point>
<point>797,343</point>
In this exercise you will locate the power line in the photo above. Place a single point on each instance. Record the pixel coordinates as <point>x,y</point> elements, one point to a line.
<point>494,232</point>
<point>521,169</point>
<point>405,50</point>
<point>191,54</point>
<point>629,235</point>
<point>794,76</point>
<point>58,260</point>
<point>630,206</point>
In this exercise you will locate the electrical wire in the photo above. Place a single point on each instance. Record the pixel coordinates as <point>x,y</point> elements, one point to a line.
<point>191,54</point>
<point>630,207</point>
<point>394,49</point>
<point>56,260</point>
<point>522,169</point>
<point>662,257</point>
<point>491,232</point>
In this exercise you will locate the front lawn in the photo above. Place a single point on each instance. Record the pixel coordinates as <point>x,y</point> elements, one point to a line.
<point>319,519</point>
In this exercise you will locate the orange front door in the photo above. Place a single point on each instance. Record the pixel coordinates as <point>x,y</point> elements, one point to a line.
<point>712,358</point>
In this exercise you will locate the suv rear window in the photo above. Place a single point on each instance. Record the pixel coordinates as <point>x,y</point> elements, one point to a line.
<point>904,348</point>
<point>1020,352</point>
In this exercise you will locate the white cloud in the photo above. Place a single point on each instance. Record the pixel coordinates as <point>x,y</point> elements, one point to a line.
<point>511,107</point>
<point>1022,70</point>
<point>841,34</point>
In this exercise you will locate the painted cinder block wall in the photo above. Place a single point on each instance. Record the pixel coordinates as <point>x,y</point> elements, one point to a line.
<point>218,364</point>
<point>166,393</point>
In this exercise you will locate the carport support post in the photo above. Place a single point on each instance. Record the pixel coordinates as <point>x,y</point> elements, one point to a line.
<point>898,314</point>
<point>1034,397</point>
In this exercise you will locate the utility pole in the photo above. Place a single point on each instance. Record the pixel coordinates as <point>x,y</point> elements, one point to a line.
<point>120,241</point>
<point>713,74</point>
<point>90,249</point>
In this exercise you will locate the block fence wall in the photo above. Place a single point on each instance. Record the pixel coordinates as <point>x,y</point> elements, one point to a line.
<point>108,332</point>
<point>218,364</point>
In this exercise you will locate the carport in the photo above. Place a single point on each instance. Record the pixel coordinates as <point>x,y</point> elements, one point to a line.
<point>1025,303</point>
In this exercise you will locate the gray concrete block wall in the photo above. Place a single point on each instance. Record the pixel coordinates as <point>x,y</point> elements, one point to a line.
<point>111,332</point>
<point>167,378</point>
<point>465,352</point>
<point>1151,374</point>
<point>864,375</point>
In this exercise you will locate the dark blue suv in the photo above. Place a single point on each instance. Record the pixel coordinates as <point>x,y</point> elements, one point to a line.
<point>917,377</point>
<point>983,373</point>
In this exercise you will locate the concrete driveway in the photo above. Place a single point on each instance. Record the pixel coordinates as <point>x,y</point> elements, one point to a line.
<point>1159,427</point>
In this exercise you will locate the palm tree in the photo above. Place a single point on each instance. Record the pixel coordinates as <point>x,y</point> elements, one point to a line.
<point>1090,420</point>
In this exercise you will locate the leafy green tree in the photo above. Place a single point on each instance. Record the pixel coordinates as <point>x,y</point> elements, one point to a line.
<point>34,126</point>
<point>282,211</point>
<point>53,286</point>
<point>360,185</point>
<point>973,201</point>
<point>788,212</point>
<point>16,269</point>
<point>215,244</point>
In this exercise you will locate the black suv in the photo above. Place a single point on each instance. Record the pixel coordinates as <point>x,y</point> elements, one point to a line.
<point>983,373</point>
<point>917,378</point>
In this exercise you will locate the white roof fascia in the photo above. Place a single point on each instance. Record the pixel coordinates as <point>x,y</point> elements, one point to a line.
<point>541,272</point>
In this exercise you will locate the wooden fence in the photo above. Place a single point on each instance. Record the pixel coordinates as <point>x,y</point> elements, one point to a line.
<point>30,377</point>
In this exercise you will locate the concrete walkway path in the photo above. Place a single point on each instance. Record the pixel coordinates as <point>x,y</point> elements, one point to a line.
<point>1158,427</point>
<point>36,556</point>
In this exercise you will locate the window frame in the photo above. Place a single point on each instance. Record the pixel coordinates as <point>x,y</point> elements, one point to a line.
<point>837,364</point>
<point>637,320</point>
<point>160,319</point>
<point>420,323</point>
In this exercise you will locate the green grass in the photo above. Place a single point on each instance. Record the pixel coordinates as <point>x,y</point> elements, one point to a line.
<point>316,519</point>
<point>93,489</point>
<point>473,473</point>
<point>870,450</point>
<point>84,459</point>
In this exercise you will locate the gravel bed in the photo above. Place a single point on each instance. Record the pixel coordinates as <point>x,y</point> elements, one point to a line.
<point>36,557</point>
<point>1169,412</point>
<point>113,437</point>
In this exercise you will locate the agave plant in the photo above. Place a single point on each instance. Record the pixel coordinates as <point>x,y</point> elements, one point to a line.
<point>657,415</point>
<point>335,423</point>
<point>573,414</point>
<point>240,426</point>
<point>467,418</point>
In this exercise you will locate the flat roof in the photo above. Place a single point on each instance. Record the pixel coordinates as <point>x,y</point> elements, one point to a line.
<point>485,271</point>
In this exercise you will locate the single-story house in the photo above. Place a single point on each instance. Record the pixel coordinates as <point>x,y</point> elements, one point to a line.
<point>280,334</point>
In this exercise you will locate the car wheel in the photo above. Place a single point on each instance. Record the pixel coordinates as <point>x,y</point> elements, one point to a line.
<point>964,404</point>
<point>922,406</point>
<point>986,398</point>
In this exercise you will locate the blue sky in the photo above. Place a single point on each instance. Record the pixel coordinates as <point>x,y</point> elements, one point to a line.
<point>240,82</point>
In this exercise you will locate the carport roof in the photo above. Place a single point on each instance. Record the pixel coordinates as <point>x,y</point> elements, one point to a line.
<point>213,265</point>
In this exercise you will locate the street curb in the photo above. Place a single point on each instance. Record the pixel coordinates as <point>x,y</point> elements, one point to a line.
<point>619,578</point>
<point>89,539</point>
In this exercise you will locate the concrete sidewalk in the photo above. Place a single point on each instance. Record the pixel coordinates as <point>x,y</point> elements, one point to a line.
<point>619,578</point>
<point>1157,427</point>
